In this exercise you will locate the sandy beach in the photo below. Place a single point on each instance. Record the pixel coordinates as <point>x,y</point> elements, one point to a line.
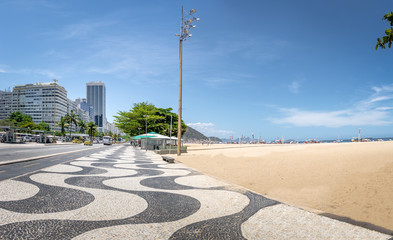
<point>349,180</point>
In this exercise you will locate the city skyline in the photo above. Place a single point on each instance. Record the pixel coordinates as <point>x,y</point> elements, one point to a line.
<point>48,102</point>
<point>297,70</point>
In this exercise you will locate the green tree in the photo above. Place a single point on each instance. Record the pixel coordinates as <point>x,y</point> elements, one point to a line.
<point>388,39</point>
<point>110,133</point>
<point>91,129</point>
<point>82,126</point>
<point>99,134</point>
<point>7,122</point>
<point>28,124</point>
<point>43,126</point>
<point>62,124</point>
<point>158,120</point>
<point>21,120</point>
<point>72,118</point>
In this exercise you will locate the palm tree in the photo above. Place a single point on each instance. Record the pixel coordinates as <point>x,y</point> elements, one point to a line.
<point>72,118</point>
<point>82,126</point>
<point>91,128</point>
<point>63,124</point>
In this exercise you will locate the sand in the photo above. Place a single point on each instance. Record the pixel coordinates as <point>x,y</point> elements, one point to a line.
<point>351,180</point>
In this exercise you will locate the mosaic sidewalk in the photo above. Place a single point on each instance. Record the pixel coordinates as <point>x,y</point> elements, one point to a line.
<point>123,193</point>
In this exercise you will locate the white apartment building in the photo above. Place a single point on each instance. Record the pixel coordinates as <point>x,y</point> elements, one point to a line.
<point>44,102</point>
<point>112,128</point>
<point>85,111</point>
<point>48,102</point>
<point>6,106</point>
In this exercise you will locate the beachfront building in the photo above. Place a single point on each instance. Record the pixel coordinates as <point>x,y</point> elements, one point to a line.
<point>6,106</point>
<point>82,103</point>
<point>110,127</point>
<point>96,97</point>
<point>44,102</point>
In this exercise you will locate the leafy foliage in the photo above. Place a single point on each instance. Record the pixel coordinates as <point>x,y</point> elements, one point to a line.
<point>91,129</point>
<point>71,118</point>
<point>21,120</point>
<point>7,122</point>
<point>133,122</point>
<point>43,126</point>
<point>388,39</point>
<point>82,126</point>
<point>62,124</point>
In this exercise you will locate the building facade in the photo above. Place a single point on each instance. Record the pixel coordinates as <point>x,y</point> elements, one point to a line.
<point>82,103</point>
<point>48,102</point>
<point>44,102</point>
<point>6,106</point>
<point>112,128</point>
<point>96,97</point>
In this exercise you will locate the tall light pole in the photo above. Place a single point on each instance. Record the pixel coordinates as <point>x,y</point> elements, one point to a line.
<point>185,26</point>
<point>54,105</point>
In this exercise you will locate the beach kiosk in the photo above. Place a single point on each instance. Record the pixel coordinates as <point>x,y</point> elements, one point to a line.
<point>160,143</point>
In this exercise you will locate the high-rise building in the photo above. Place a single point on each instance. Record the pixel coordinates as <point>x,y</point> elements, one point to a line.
<point>6,106</point>
<point>86,107</point>
<point>96,97</point>
<point>44,102</point>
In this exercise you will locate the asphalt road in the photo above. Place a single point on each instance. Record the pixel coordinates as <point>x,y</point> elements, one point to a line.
<point>16,169</point>
<point>10,152</point>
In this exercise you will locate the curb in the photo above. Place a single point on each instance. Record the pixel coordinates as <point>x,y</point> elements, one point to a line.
<point>40,157</point>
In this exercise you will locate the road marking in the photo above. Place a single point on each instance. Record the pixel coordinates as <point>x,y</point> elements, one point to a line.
<point>31,165</point>
<point>55,159</point>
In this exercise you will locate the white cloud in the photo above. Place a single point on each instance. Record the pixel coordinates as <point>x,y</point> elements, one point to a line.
<point>215,82</point>
<point>42,72</point>
<point>83,29</point>
<point>201,125</point>
<point>130,58</point>
<point>294,87</point>
<point>209,130</point>
<point>370,112</point>
<point>3,68</point>
<point>333,119</point>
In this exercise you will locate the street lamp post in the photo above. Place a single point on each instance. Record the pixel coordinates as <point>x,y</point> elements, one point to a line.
<point>186,25</point>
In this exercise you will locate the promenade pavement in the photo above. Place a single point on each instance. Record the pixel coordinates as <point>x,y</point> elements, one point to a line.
<point>124,193</point>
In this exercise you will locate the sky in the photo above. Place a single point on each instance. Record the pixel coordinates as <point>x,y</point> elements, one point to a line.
<point>277,69</point>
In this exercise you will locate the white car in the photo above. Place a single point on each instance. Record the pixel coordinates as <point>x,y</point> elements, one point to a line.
<point>107,140</point>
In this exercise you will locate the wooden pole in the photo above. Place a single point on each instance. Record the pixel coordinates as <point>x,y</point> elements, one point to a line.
<point>180,86</point>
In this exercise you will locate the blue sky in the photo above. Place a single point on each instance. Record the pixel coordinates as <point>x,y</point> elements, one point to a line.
<point>293,69</point>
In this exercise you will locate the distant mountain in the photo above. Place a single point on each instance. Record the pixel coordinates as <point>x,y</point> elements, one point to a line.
<point>215,139</point>
<point>193,135</point>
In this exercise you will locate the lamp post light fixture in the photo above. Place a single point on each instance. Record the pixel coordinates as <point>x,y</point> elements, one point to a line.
<point>146,116</point>
<point>186,25</point>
